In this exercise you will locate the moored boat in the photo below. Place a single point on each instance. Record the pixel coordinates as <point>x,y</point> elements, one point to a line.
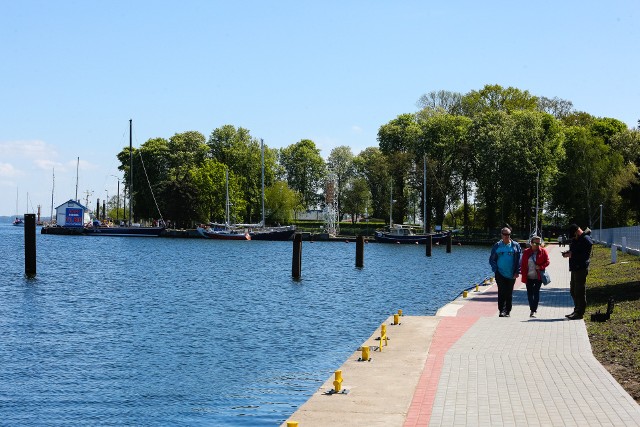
<point>282,233</point>
<point>400,233</point>
<point>223,232</point>
<point>97,229</point>
<point>18,222</point>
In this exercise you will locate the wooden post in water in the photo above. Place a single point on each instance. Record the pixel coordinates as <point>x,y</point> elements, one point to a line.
<point>359,251</point>
<point>429,244</point>
<point>30,245</point>
<point>449,243</point>
<point>296,262</point>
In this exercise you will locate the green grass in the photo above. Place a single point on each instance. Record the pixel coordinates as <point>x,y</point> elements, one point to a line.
<point>616,342</point>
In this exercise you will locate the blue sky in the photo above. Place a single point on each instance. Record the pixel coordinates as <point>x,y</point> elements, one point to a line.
<point>73,73</point>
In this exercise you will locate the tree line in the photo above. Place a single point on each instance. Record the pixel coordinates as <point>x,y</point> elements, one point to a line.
<point>487,154</point>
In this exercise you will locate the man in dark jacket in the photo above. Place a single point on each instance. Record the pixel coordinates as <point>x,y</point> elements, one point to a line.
<point>579,255</point>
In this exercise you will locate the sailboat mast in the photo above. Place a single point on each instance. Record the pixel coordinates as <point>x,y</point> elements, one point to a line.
<point>424,193</point>
<point>53,187</point>
<point>226,212</point>
<point>130,171</point>
<point>77,169</point>
<point>262,163</point>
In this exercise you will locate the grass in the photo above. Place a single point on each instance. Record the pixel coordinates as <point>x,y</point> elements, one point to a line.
<point>616,342</point>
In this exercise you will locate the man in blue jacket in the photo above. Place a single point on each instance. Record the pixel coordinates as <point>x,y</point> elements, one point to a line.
<point>505,263</point>
<point>579,255</point>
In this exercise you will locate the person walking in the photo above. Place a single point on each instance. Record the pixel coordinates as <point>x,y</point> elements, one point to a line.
<point>579,255</point>
<point>505,263</point>
<point>535,259</point>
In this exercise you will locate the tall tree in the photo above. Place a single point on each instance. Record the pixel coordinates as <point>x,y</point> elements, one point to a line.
<point>372,165</point>
<point>240,152</point>
<point>497,98</point>
<point>340,162</point>
<point>398,140</point>
<point>305,170</point>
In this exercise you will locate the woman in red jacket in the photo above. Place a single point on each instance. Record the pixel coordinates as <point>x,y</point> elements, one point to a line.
<point>534,260</point>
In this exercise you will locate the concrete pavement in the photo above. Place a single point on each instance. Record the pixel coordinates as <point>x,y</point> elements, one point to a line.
<point>468,367</point>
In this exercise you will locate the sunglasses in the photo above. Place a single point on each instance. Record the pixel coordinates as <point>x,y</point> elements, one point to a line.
<point>535,243</point>
<point>506,234</point>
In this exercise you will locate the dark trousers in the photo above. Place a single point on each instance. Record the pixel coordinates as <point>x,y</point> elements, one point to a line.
<point>577,286</point>
<point>533,293</point>
<point>505,292</point>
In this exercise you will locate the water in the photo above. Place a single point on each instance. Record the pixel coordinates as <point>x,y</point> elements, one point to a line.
<point>147,331</point>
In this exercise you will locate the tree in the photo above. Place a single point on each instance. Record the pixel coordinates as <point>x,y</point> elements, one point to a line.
<point>240,152</point>
<point>340,162</point>
<point>305,170</point>
<point>398,140</point>
<point>590,176</point>
<point>280,203</point>
<point>357,197</point>
<point>443,101</point>
<point>497,98</point>
<point>372,166</point>
<point>559,108</point>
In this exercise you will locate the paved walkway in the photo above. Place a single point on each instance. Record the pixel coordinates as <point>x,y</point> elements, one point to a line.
<point>468,367</point>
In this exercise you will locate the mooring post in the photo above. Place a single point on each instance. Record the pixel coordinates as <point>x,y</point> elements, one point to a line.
<point>296,262</point>
<point>359,251</point>
<point>449,243</point>
<point>429,244</point>
<point>30,245</point>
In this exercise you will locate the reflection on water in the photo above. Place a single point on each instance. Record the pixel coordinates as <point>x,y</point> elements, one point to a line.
<point>144,331</point>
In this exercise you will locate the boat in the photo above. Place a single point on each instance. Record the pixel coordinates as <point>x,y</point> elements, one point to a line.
<point>97,228</point>
<point>401,233</point>
<point>18,222</point>
<point>224,231</point>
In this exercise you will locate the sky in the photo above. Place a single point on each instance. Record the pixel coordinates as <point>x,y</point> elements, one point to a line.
<point>72,74</point>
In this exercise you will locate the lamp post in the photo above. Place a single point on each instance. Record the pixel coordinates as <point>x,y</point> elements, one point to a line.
<point>104,213</point>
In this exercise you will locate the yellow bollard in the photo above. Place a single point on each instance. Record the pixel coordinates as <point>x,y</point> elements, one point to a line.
<point>396,318</point>
<point>337,384</point>
<point>477,290</point>
<point>292,424</point>
<point>365,353</point>
<point>464,294</point>
<point>400,312</point>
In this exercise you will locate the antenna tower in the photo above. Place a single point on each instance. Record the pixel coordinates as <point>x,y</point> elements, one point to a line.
<point>331,205</point>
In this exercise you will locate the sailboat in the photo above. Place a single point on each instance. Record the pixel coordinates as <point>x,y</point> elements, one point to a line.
<point>18,222</point>
<point>132,230</point>
<point>224,231</point>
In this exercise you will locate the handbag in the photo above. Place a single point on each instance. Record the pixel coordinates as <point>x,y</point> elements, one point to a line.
<point>546,279</point>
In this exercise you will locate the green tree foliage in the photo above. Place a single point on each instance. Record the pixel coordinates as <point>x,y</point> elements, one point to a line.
<point>357,197</point>
<point>280,203</point>
<point>398,141</point>
<point>237,149</point>
<point>340,162</point>
<point>589,176</point>
<point>305,170</point>
<point>497,98</point>
<point>444,141</point>
<point>372,165</point>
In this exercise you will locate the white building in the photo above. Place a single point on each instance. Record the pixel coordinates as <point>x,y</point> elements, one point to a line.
<point>72,214</point>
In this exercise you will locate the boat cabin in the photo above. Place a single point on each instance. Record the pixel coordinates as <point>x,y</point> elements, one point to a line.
<point>401,230</point>
<point>72,214</point>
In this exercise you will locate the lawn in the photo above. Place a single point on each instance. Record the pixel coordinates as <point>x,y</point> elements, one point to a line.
<point>616,342</point>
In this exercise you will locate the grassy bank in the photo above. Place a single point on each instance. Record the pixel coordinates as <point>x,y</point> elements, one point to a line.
<point>616,342</point>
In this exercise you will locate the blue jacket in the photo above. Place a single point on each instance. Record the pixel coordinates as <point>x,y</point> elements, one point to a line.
<point>493,258</point>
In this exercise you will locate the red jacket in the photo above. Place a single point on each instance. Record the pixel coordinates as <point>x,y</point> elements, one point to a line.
<point>542,259</point>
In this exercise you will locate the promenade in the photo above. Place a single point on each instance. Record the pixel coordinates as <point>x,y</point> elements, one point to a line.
<point>468,367</point>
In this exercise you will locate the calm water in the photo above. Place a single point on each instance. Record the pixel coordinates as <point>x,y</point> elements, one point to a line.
<point>144,331</point>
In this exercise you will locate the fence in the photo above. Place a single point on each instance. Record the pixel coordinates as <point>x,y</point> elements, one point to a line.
<point>627,238</point>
